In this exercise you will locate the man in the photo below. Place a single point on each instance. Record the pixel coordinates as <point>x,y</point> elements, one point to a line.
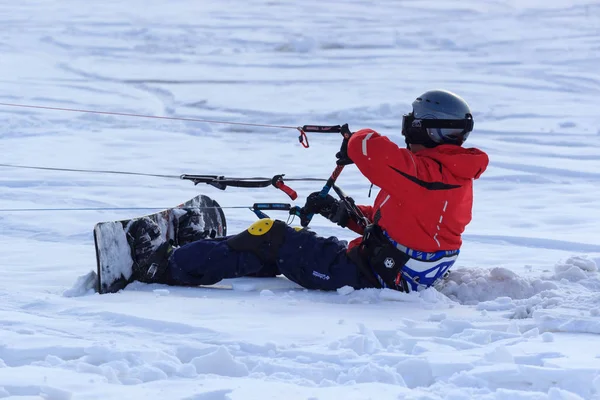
<point>416,221</point>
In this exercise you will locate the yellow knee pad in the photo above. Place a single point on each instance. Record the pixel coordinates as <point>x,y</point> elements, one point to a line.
<point>265,231</point>
<point>261,227</point>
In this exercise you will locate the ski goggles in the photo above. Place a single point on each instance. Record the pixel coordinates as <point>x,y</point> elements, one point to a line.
<point>410,122</point>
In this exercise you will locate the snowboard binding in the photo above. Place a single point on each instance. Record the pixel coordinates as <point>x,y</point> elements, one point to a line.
<point>150,252</point>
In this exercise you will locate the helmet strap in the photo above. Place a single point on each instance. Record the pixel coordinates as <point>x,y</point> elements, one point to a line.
<point>418,136</point>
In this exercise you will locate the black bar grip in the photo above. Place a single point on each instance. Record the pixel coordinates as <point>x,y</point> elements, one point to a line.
<point>272,206</point>
<point>322,128</point>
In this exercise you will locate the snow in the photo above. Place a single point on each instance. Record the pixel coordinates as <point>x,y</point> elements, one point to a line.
<point>518,317</point>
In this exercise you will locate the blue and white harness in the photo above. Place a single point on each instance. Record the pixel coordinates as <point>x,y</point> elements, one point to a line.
<point>423,269</point>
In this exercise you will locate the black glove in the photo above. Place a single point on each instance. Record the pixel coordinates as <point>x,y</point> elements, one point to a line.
<point>315,204</point>
<point>328,207</point>
<point>342,155</point>
<point>339,214</point>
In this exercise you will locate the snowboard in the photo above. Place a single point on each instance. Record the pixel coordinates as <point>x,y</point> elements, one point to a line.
<point>198,218</point>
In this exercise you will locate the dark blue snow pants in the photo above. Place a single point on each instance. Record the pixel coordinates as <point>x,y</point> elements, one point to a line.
<point>309,260</point>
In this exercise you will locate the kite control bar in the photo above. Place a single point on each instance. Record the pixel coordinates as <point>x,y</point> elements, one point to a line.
<point>305,217</point>
<point>222,182</point>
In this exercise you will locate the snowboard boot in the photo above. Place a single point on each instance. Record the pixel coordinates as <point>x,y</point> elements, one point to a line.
<point>188,227</point>
<point>150,252</point>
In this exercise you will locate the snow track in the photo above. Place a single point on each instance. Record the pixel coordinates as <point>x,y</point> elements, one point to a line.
<point>150,348</point>
<point>518,318</point>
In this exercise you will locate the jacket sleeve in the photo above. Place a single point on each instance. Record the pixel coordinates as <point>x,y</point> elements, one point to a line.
<point>381,161</point>
<point>367,211</point>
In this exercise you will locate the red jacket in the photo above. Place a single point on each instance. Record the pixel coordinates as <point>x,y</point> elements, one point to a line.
<point>426,197</point>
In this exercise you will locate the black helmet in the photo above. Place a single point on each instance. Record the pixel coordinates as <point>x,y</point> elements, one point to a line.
<point>438,117</point>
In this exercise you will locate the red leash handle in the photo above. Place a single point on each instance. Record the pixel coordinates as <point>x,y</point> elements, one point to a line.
<point>278,183</point>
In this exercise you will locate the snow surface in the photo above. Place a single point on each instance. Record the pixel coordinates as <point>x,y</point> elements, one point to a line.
<point>519,317</point>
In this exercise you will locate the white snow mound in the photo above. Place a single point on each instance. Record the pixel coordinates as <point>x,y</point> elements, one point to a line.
<point>474,285</point>
<point>575,269</point>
